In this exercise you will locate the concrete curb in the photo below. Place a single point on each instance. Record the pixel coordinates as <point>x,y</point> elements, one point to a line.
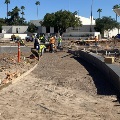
<point>24,74</point>
<point>5,85</point>
<point>111,71</point>
<point>14,49</point>
<point>18,78</point>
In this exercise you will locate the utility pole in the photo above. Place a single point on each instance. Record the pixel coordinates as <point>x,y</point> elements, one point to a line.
<point>68,5</point>
<point>78,17</point>
<point>18,51</point>
<point>91,16</point>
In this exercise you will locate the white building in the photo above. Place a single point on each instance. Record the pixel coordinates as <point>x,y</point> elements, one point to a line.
<point>20,31</point>
<point>85,31</point>
<point>41,29</point>
<point>88,25</point>
<point>115,31</point>
<point>111,33</point>
<point>86,21</point>
<point>14,29</point>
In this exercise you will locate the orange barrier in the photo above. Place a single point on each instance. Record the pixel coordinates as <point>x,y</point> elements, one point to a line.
<point>18,51</point>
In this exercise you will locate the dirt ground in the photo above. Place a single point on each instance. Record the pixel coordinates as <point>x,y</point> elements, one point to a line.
<point>62,87</point>
<point>10,68</point>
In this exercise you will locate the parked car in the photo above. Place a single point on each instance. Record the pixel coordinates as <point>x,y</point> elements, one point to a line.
<point>29,38</point>
<point>117,36</point>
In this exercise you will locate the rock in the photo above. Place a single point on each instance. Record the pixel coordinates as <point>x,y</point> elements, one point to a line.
<point>1,70</point>
<point>32,56</point>
<point>5,81</point>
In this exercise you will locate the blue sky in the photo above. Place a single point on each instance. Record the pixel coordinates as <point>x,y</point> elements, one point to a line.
<point>49,6</point>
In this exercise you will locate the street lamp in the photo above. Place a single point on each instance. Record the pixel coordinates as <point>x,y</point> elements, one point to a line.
<point>78,17</point>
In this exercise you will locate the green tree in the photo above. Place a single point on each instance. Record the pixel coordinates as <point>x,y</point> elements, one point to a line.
<point>61,20</point>
<point>99,11</point>
<point>8,21</point>
<point>7,2</point>
<point>116,7</point>
<point>48,20</point>
<point>22,13</point>
<point>2,22</point>
<point>37,3</point>
<point>22,8</point>
<point>14,17</point>
<point>32,28</point>
<point>105,23</point>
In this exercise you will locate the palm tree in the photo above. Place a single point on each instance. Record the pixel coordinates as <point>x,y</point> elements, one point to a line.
<point>37,3</point>
<point>116,7</point>
<point>91,16</point>
<point>15,15</point>
<point>99,10</point>
<point>22,8</point>
<point>7,2</point>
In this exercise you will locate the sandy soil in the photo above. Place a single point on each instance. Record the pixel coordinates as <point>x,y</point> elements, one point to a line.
<point>62,87</point>
<point>10,68</point>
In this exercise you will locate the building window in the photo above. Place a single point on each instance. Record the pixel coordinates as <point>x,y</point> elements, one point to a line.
<point>47,29</point>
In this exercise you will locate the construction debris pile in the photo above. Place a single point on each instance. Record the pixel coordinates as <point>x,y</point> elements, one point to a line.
<point>105,49</point>
<point>10,68</point>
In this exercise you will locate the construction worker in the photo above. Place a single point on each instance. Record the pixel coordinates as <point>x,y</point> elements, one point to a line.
<point>52,44</point>
<point>21,42</point>
<point>59,41</point>
<point>41,49</point>
<point>96,40</point>
<point>33,37</point>
<point>42,38</point>
<point>13,37</point>
<point>36,43</point>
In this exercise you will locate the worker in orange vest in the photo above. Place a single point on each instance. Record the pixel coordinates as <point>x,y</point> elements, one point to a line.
<point>52,44</point>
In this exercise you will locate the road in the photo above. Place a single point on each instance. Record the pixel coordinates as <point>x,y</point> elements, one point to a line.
<point>62,87</point>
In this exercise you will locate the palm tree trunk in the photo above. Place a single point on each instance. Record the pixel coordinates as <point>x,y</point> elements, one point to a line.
<point>22,14</point>
<point>116,17</point>
<point>37,11</point>
<point>99,14</point>
<point>91,17</point>
<point>91,20</point>
<point>7,11</point>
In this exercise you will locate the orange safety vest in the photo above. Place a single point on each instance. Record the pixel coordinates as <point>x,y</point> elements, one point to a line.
<point>52,40</point>
<point>96,39</point>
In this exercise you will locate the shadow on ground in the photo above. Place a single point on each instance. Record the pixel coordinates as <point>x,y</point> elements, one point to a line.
<point>103,86</point>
